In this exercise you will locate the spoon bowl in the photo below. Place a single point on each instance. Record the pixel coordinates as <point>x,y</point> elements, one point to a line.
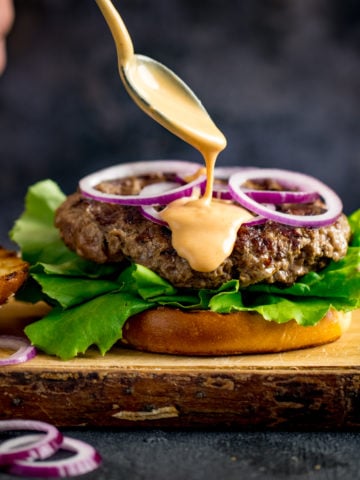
<point>159,92</point>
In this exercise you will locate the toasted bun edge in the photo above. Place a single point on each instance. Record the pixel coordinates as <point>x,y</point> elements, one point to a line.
<point>206,333</point>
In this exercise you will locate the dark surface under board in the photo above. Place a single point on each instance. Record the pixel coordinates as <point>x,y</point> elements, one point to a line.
<point>157,454</point>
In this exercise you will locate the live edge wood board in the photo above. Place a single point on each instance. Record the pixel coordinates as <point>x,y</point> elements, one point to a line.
<point>317,388</point>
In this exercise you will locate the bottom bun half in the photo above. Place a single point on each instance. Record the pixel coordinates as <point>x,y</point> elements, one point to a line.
<point>173,331</point>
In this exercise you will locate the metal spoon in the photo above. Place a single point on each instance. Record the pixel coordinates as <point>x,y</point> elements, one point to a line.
<point>159,92</point>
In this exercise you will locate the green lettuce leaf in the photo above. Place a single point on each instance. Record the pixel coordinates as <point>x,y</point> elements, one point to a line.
<point>35,231</point>
<point>70,291</point>
<point>67,333</point>
<point>354,221</point>
<point>337,280</point>
<point>39,239</point>
<point>145,282</point>
<point>92,302</point>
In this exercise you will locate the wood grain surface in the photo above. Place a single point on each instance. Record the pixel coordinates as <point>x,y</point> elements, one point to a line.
<point>316,388</point>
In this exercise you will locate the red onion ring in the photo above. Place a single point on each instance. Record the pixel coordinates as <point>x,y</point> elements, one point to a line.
<point>45,446</point>
<point>304,182</point>
<point>24,351</point>
<point>222,192</point>
<point>267,196</point>
<point>87,184</point>
<point>86,459</point>
<point>153,215</point>
<point>258,220</point>
<point>302,189</point>
<point>159,189</point>
<point>222,173</point>
<point>148,211</point>
<point>278,197</point>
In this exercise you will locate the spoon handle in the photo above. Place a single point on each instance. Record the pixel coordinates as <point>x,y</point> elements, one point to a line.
<point>124,46</point>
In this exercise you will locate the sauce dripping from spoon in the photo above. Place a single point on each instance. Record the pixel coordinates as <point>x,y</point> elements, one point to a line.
<point>203,230</point>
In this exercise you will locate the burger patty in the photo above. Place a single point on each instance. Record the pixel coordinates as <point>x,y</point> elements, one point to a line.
<point>272,252</point>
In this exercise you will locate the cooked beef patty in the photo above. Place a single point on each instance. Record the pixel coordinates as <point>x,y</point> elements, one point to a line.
<point>270,253</point>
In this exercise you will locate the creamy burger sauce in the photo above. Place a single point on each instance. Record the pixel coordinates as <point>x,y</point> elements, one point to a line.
<point>203,229</point>
<point>204,232</point>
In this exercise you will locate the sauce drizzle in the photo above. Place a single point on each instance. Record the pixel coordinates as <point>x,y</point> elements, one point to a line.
<point>203,229</point>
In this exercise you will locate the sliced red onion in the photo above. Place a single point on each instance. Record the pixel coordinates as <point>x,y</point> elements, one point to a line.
<point>24,351</point>
<point>289,179</point>
<point>152,214</point>
<point>87,184</point>
<point>301,189</point>
<point>158,189</point>
<point>258,220</point>
<point>45,445</point>
<point>222,173</point>
<point>221,190</point>
<point>278,197</point>
<point>86,459</point>
<point>149,212</point>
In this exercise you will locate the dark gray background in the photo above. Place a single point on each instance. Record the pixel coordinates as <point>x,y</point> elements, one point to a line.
<point>195,455</point>
<point>281,79</point>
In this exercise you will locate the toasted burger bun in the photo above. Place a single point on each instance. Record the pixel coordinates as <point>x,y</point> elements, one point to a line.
<point>173,331</point>
<point>13,273</point>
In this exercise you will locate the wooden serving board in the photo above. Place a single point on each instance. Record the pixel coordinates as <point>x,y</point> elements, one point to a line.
<point>317,388</point>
